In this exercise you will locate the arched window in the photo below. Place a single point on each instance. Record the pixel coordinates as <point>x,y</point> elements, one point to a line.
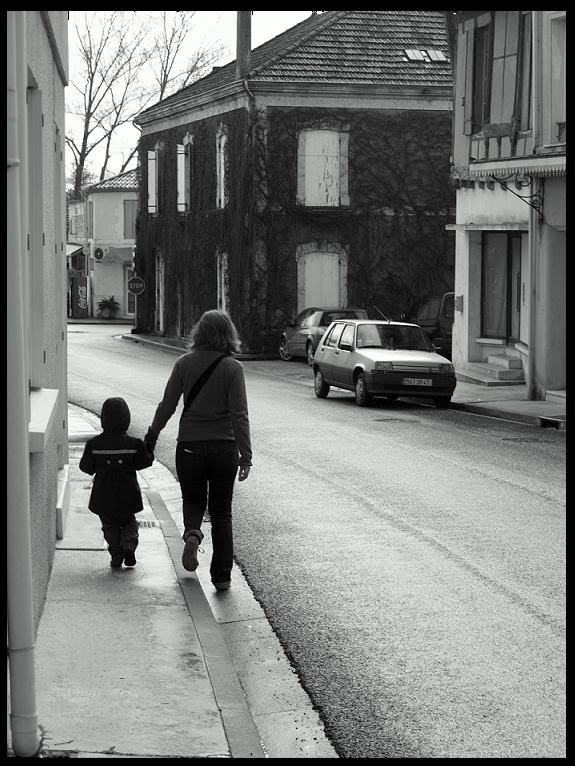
<point>221,155</point>
<point>153,187</point>
<point>184,169</point>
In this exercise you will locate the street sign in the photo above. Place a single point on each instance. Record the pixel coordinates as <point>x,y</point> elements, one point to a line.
<point>136,285</point>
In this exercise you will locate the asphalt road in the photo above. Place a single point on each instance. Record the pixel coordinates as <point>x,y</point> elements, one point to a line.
<point>411,560</point>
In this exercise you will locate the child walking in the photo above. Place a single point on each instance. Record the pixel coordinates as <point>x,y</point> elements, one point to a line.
<point>114,457</point>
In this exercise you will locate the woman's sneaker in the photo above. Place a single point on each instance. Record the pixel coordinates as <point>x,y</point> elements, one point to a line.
<point>190,553</point>
<point>222,585</point>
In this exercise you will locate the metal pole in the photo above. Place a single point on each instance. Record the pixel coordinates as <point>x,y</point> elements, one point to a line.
<point>21,635</point>
<point>534,229</point>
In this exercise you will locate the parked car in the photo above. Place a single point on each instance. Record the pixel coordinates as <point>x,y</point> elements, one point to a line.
<point>434,314</point>
<point>300,339</point>
<point>374,358</point>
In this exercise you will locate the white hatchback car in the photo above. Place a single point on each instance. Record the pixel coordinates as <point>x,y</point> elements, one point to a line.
<point>378,358</point>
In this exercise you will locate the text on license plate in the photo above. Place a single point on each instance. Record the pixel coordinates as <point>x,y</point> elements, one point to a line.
<point>417,382</point>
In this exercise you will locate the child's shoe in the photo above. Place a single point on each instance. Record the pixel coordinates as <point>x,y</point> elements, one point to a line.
<point>116,560</point>
<point>129,557</point>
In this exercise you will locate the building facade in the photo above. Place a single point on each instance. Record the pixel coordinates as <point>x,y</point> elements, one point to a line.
<point>103,222</point>
<point>37,401</point>
<point>509,166</point>
<point>311,170</point>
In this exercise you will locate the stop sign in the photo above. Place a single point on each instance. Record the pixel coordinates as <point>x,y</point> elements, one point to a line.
<point>136,285</point>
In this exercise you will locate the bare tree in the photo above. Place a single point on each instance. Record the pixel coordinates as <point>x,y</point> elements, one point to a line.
<point>170,71</point>
<point>130,59</point>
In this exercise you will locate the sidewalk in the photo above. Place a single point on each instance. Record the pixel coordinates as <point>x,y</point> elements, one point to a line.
<point>151,661</point>
<point>508,401</point>
<point>131,662</point>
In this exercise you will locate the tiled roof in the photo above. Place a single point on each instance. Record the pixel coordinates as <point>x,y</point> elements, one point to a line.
<point>347,47</point>
<point>127,181</point>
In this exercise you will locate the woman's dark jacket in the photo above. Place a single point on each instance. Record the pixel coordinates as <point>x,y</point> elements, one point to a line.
<point>114,457</point>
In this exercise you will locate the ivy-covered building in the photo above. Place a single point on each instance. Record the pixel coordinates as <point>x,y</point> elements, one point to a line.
<point>312,170</point>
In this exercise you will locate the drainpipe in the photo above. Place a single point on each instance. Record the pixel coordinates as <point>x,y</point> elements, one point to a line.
<point>21,636</point>
<point>536,60</point>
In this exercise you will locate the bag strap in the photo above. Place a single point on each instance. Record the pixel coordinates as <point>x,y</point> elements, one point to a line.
<point>200,381</point>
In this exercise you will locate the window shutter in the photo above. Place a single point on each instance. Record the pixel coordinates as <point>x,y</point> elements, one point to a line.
<point>301,149</point>
<point>152,173</point>
<point>468,93</point>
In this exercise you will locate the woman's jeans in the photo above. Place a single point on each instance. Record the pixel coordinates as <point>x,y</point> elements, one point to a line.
<point>206,472</point>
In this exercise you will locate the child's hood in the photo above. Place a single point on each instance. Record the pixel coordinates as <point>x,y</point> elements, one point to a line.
<point>115,415</point>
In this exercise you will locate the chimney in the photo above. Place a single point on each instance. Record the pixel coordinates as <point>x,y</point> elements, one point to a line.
<point>244,44</point>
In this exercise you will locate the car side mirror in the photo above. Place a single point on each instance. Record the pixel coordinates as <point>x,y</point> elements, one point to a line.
<point>345,346</point>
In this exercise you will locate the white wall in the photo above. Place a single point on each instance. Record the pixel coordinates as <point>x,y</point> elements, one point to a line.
<point>491,206</point>
<point>109,215</point>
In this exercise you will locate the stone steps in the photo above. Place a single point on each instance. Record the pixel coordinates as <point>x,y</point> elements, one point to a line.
<point>499,370</point>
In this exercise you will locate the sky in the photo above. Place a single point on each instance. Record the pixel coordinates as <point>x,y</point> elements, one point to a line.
<point>217,25</point>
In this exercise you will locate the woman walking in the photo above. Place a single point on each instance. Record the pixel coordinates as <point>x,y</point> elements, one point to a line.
<point>213,437</point>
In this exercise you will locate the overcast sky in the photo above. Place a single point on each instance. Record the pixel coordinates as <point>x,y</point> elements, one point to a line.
<point>217,25</point>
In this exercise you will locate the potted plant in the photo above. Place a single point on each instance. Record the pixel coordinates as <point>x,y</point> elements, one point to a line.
<point>108,307</point>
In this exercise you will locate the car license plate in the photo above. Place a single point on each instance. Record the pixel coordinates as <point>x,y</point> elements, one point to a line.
<point>417,382</point>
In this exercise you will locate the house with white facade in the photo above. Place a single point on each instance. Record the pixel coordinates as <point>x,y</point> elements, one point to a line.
<point>509,167</point>
<point>37,397</point>
<point>104,223</point>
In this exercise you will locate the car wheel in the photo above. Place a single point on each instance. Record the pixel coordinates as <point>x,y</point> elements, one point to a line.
<point>320,387</point>
<point>442,402</point>
<point>284,351</point>
<point>362,396</point>
<point>309,352</point>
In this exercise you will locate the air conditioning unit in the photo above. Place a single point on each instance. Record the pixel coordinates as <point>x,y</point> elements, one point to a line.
<point>98,254</point>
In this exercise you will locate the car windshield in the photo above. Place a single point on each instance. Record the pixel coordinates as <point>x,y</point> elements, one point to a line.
<point>392,337</point>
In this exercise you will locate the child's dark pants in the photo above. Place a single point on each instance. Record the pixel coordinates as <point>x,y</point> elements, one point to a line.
<point>120,535</point>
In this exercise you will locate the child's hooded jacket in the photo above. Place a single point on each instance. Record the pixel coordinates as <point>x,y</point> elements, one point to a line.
<point>114,457</point>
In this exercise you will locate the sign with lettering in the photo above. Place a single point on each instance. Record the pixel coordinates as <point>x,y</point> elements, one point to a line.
<point>136,285</point>
<point>79,294</point>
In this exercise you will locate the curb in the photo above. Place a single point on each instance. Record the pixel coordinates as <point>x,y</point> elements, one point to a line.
<point>484,409</point>
<point>493,412</point>
<point>240,729</point>
<point>175,349</point>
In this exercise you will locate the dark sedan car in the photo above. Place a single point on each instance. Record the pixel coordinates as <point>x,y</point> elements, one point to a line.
<point>387,359</point>
<point>301,338</point>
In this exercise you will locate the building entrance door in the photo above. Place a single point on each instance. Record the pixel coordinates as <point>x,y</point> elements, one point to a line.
<point>501,286</point>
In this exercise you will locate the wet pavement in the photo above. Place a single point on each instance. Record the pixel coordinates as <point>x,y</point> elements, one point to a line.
<point>501,401</point>
<point>151,661</point>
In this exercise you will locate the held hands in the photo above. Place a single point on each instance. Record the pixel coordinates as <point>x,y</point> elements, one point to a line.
<point>150,440</point>
<point>244,472</point>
